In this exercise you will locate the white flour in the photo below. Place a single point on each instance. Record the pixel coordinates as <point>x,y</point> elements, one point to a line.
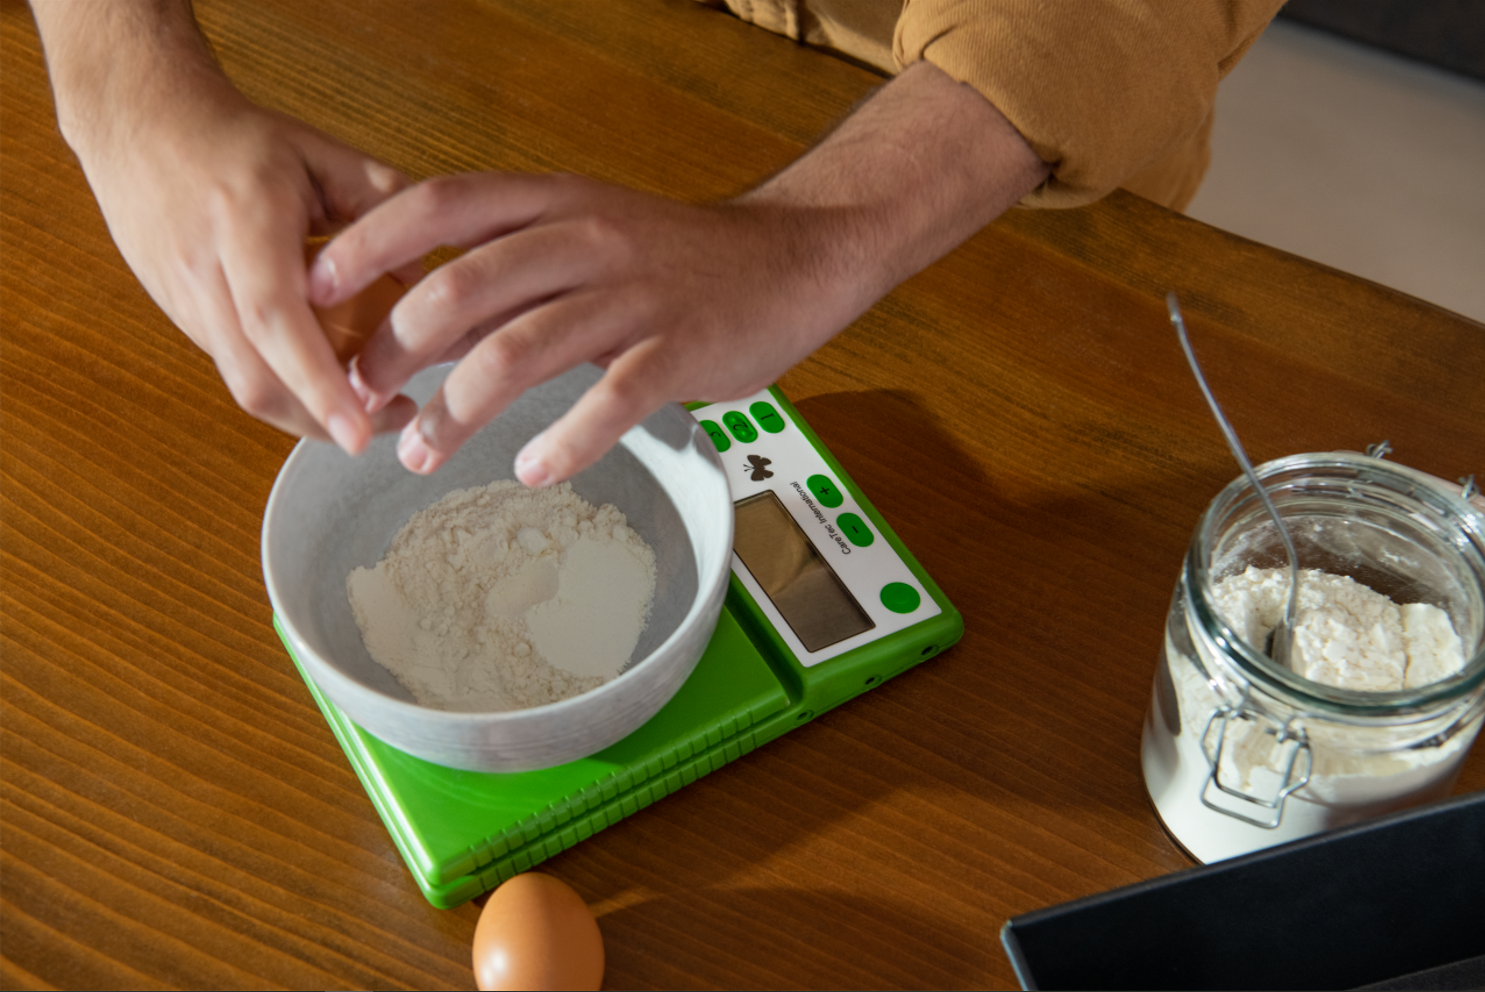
<point>1345,634</point>
<point>502,597</point>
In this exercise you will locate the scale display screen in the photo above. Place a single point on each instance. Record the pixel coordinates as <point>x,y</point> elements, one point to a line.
<point>802,585</point>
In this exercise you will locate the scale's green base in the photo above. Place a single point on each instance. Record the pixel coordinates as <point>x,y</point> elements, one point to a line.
<point>463,833</point>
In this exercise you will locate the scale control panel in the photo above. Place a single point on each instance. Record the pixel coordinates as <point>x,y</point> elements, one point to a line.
<point>806,548</point>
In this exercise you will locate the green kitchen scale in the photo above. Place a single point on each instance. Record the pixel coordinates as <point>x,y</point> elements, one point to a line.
<point>824,603</point>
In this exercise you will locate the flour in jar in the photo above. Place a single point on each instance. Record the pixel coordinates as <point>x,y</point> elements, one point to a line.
<point>501,598</point>
<point>1346,634</point>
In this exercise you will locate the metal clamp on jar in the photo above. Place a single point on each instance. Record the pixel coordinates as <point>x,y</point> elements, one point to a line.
<point>1241,753</point>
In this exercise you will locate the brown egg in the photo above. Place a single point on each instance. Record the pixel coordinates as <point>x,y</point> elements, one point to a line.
<point>347,325</point>
<point>536,933</point>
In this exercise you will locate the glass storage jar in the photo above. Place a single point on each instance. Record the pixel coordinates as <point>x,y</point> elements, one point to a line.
<point>1240,754</point>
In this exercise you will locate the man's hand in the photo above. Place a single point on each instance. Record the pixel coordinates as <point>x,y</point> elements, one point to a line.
<point>675,301</point>
<point>209,198</point>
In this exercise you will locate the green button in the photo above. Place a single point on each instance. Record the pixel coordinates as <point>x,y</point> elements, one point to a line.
<point>825,491</point>
<point>899,597</point>
<point>741,427</point>
<point>768,418</point>
<point>855,530</point>
<point>718,436</point>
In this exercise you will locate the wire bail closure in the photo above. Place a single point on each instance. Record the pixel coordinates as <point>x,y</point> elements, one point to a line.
<point>1468,488</point>
<point>1285,734</point>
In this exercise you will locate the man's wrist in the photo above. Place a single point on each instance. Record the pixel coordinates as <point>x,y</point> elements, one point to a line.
<point>111,61</point>
<point>914,171</point>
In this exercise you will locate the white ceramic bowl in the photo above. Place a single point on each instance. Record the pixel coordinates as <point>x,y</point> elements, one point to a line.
<point>330,513</point>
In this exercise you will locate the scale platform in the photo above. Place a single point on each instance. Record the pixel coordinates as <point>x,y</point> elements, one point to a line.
<point>824,603</point>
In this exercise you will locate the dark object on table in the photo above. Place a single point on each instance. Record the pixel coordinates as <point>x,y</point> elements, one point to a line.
<point>1449,34</point>
<point>1393,903</point>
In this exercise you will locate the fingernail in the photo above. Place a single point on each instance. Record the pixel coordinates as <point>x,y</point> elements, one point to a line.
<point>343,431</point>
<point>531,468</point>
<point>323,278</point>
<point>412,450</point>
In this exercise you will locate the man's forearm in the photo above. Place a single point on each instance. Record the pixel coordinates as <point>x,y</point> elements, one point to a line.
<point>917,169</point>
<point>107,55</point>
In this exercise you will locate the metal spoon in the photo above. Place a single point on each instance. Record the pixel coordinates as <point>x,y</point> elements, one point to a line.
<point>1281,639</point>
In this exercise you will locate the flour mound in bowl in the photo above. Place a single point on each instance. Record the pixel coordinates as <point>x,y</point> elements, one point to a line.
<point>501,598</point>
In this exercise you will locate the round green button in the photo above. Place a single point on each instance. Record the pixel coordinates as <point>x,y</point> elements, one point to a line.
<point>825,491</point>
<point>741,427</point>
<point>899,597</point>
<point>855,530</point>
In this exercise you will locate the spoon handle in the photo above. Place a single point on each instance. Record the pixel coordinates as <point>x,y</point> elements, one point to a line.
<point>1283,636</point>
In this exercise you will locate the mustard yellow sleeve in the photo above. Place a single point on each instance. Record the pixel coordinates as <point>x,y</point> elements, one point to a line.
<point>1104,90</point>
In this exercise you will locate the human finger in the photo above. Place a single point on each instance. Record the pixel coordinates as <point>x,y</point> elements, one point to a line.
<point>485,288</point>
<point>461,211</point>
<point>528,351</point>
<point>253,385</point>
<point>350,183</point>
<point>395,415</point>
<point>349,324</point>
<point>258,391</point>
<point>453,353</point>
<point>262,259</point>
<point>634,386</point>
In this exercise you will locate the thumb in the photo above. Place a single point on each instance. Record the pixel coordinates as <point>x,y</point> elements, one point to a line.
<point>350,183</point>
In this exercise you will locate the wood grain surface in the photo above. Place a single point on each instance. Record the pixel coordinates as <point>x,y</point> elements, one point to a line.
<point>176,813</point>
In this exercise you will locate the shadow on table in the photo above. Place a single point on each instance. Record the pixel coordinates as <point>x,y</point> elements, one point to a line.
<point>1064,579</point>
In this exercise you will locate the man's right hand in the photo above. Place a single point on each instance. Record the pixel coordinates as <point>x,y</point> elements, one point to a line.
<point>209,197</point>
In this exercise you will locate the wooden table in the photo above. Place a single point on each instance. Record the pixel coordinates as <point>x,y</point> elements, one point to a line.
<point>177,813</point>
